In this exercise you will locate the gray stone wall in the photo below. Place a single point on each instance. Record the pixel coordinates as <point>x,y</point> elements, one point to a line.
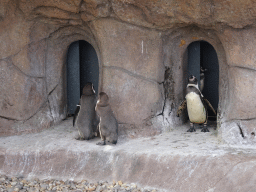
<point>141,46</point>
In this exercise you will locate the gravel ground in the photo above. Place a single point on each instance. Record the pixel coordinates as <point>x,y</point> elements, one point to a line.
<point>11,184</point>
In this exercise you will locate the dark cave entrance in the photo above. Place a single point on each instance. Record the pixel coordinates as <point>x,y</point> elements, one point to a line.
<point>202,54</point>
<point>82,67</point>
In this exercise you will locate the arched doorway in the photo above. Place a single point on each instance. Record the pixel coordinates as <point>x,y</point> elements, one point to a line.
<point>82,67</point>
<point>202,54</point>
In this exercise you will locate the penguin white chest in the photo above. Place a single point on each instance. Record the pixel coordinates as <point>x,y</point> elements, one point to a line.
<point>195,107</point>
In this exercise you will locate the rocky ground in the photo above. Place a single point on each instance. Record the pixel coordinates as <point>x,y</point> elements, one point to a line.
<point>13,184</point>
<point>174,161</point>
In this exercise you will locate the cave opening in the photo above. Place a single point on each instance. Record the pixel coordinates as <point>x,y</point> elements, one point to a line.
<point>82,67</point>
<point>202,55</point>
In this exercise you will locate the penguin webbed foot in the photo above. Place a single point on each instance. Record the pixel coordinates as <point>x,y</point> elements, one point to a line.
<point>114,142</point>
<point>191,129</point>
<point>79,138</point>
<point>101,143</point>
<point>205,129</point>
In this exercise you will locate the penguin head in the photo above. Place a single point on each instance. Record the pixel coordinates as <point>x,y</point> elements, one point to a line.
<point>103,98</point>
<point>192,80</point>
<point>88,89</point>
<point>202,70</point>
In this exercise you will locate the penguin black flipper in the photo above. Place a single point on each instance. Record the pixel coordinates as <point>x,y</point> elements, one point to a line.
<point>76,114</point>
<point>182,106</point>
<point>209,104</point>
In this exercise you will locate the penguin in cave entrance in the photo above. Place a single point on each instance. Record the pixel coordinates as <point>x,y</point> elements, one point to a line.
<point>202,62</point>
<point>196,105</point>
<point>202,78</point>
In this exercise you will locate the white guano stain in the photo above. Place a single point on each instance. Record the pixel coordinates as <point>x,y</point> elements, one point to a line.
<point>142,47</point>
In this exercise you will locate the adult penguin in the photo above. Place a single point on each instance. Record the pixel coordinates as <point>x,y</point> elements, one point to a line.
<point>196,105</point>
<point>85,119</point>
<point>108,125</point>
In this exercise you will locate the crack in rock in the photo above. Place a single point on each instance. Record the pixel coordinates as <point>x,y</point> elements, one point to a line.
<point>9,118</point>
<point>244,68</point>
<point>131,73</point>
<point>241,131</point>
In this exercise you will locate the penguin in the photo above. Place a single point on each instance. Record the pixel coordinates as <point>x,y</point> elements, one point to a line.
<point>196,105</point>
<point>202,78</point>
<point>108,126</point>
<point>85,119</point>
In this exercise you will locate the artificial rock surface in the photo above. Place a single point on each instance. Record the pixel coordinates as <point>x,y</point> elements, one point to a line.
<point>172,161</point>
<point>137,43</point>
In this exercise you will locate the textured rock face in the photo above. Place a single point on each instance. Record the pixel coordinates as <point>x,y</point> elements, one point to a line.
<point>132,70</point>
<point>242,93</point>
<point>240,110</point>
<point>168,14</point>
<point>141,47</point>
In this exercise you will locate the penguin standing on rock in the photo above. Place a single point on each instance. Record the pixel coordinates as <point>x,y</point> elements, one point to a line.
<point>196,105</point>
<point>85,119</point>
<point>108,126</point>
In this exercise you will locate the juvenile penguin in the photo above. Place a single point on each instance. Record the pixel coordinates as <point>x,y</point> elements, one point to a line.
<point>85,119</point>
<point>196,105</point>
<point>108,126</point>
<point>202,78</point>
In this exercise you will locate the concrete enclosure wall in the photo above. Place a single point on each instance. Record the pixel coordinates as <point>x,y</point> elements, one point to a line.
<point>142,52</point>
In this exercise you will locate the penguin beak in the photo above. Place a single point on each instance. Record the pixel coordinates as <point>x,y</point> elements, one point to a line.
<point>202,70</point>
<point>192,78</point>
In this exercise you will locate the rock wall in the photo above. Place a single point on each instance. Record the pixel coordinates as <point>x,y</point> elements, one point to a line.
<point>141,46</point>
